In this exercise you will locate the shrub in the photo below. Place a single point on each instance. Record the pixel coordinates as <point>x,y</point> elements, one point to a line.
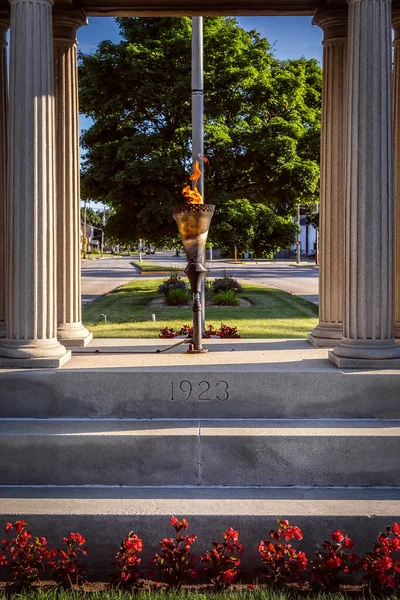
<point>176,297</point>
<point>226,283</point>
<point>68,570</point>
<point>224,566</point>
<point>226,298</point>
<point>334,560</point>
<point>126,564</point>
<point>174,282</point>
<point>383,570</point>
<point>27,557</point>
<point>94,251</point>
<point>175,563</point>
<point>283,563</point>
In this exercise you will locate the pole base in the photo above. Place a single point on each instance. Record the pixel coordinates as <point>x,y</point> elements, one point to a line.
<point>193,350</point>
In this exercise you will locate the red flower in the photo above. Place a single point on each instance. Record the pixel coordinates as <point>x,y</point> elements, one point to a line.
<point>19,525</point>
<point>396,544</point>
<point>337,536</point>
<point>396,528</point>
<point>231,534</point>
<point>8,527</point>
<point>347,542</point>
<point>334,562</point>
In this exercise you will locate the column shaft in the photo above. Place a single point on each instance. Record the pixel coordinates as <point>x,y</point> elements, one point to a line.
<point>71,332</point>
<point>31,320</point>
<point>332,189</point>
<point>3,172</point>
<point>396,150</point>
<point>368,323</point>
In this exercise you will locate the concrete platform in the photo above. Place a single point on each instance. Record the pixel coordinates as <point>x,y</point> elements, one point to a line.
<point>205,453</point>
<point>235,379</point>
<point>105,515</point>
<point>121,437</point>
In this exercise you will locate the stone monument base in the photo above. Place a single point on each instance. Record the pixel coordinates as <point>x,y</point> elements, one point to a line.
<point>247,433</point>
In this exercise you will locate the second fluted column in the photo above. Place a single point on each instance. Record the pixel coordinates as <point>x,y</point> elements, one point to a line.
<point>332,189</point>
<point>70,330</point>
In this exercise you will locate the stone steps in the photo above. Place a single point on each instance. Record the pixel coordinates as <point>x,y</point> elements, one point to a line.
<point>105,514</point>
<point>206,453</point>
<point>248,433</point>
<point>124,385</point>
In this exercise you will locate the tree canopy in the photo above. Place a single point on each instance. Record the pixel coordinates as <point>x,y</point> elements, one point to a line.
<point>262,122</point>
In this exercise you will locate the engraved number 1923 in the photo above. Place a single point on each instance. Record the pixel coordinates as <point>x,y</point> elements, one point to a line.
<point>185,389</point>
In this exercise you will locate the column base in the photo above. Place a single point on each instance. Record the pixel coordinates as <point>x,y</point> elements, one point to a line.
<point>74,335</point>
<point>34,363</point>
<point>325,335</point>
<point>2,329</point>
<point>364,354</point>
<point>25,354</point>
<point>396,331</point>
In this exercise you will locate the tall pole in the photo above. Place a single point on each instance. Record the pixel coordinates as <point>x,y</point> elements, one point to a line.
<point>298,236</point>
<point>84,232</point>
<point>198,117</point>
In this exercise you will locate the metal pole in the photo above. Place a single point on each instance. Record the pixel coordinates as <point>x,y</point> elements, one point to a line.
<point>198,120</point>
<point>298,236</point>
<point>84,231</point>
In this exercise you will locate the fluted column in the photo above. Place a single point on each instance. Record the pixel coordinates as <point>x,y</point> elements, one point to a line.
<point>31,319</point>
<point>332,190</point>
<point>396,149</point>
<point>368,317</point>
<point>4,24</point>
<point>71,332</point>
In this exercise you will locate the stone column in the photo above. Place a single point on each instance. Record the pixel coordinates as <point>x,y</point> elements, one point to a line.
<point>332,190</point>
<point>368,317</point>
<point>396,149</point>
<point>31,319</point>
<point>4,24</point>
<point>71,332</point>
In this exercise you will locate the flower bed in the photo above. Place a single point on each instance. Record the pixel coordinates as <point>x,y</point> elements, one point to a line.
<point>224,331</point>
<point>26,557</point>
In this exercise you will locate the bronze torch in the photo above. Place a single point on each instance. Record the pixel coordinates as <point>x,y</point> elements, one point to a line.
<point>193,223</point>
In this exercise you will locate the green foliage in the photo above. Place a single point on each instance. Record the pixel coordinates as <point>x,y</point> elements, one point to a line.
<point>177,297</point>
<point>226,283</point>
<point>226,298</point>
<point>262,120</point>
<point>252,226</point>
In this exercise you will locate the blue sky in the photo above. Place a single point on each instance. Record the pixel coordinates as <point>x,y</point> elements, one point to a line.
<point>292,37</point>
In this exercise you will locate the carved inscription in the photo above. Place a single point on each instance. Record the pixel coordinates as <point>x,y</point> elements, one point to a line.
<point>202,392</point>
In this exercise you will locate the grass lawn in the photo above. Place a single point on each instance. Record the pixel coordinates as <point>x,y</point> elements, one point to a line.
<point>275,314</point>
<point>149,267</point>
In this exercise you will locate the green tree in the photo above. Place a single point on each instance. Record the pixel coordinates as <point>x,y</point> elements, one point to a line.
<point>255,227</point>
<point>262,120</point>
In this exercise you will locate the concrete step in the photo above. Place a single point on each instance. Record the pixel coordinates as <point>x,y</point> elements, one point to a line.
<point>182,452</point>
<point>104,515</point>
<point>114,386</point>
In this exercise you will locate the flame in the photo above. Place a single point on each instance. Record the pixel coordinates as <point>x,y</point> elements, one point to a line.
<point>193,196</point>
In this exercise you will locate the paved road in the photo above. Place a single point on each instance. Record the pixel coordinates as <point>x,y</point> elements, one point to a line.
<point>300,280</point>
<point>101,276</point>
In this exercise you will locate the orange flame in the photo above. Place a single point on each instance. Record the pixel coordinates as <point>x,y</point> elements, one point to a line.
<point>193,196</point>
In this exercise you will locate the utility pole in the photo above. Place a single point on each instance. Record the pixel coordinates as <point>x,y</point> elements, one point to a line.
<point>298,236</point>
<point>103,223</point>
<point>198,119</point>
<point>84,231</point>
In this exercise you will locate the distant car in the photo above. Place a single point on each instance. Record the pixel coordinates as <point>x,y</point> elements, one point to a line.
<point>150,250</point>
